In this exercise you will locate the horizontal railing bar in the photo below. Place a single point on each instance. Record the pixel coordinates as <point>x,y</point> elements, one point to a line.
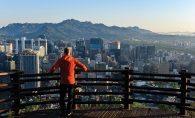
<point>40,74</point>
<point>155,79</point>
<point>99,102</point>
<point>153,88</point>
<point>101,93</point>
<point>77,70</point>
<point>40,79</point>
<point>187,73</point>
<point>192,89</point>
<point>5,85</point>
<point>10,99</point>
<point>7,110</point>
<point>10,73</point>
<point>40,93</point>
<point>103,79</point>
<point>149,74</point>
<point>190,109</point>
<point>10,84</point>
<point>5,89</point>
<point>6,73</point>
<point>157,102</point>
<point>86,79</point>
<point>158,93</point>
<point>190,84</point>
<point>4,110</point>
<point>106,70</point>
<point>99,84</point>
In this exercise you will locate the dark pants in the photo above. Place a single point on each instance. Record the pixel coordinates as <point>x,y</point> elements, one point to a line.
<point>64,88</point>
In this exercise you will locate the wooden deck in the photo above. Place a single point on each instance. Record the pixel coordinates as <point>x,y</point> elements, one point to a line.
<point>107,112</point>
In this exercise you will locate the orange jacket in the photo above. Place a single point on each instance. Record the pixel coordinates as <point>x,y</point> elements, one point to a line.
<point>67,66</point>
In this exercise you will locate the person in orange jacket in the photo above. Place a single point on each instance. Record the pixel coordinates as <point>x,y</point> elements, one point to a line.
<point>67,65</point>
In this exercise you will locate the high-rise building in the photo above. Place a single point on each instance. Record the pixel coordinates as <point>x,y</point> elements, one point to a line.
<point>125,52</point>
<point>172,65</point>
<point>40,49</point>
<point>29,63</point>
<point>114,45</point>
<point>114,48</point>
<point>86,62</point>
<point>5,57</point>
<point>20,45</point>
<point>9,65</point>
<point>62,44</point>
<point>87,48</point>
<point>13,42</point>
<point>51,47</point>
<point>81,48</point>
<point>192,66</point>
<point>29,43</point>
<point>151,51</point>
<point>7,47</point>
<point>24,43</point>
<point>139,65</point>
<point>98,58</point>
<point>96,46</point>
<point>41,42</point>
<point>144,52</point>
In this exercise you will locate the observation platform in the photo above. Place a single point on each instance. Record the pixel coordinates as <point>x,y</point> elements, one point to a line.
<point>108,112</point>
<point>125,92</point>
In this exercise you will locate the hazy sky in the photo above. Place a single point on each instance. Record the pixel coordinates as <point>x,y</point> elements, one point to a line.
<point>154,15</point>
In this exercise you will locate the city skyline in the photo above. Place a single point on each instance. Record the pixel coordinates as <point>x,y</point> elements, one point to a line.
<point>157,16</point>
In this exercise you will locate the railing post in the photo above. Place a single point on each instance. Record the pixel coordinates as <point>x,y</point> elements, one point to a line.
<point>127,89</point>
<point>16,94</point>
<point>75,96</point>
<point>183,92</point>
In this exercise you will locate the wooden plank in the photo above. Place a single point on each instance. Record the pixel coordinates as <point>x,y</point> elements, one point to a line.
<point>103,114</point>
<point>145,113</point>
<point>119,112</point>
<point>85,111</point>
<point>108,112</point>
<point>6,73</point>
<point>4,85</point>
<point>155,113</point>
<point>115,111</point>
<point>95,112</point>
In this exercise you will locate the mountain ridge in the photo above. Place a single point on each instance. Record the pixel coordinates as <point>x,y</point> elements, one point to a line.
<point>74,29</point>
<point>71,29</point>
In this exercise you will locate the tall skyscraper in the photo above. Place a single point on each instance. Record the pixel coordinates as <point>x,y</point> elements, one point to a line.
<point>151,51</point>
<point>29,63</point>
<point>125,53</point>
<point>51,47</point>
<point>115,50</point>
<point>81,48</point>
<point>96,46</point>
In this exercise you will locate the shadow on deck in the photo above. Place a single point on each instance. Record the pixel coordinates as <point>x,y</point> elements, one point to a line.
<point>108,112</point>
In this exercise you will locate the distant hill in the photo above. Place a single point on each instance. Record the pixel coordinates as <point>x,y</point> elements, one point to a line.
<point>72,29</point>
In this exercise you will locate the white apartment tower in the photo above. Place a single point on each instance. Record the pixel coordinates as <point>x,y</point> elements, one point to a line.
<point>24,43</point>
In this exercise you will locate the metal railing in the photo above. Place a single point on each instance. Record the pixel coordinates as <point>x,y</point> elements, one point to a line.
<point>126,82</point>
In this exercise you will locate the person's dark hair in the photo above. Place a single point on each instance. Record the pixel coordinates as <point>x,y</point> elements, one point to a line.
<point>67,50</point>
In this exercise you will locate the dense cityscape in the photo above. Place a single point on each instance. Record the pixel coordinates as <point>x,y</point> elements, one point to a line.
<point>33,56</point>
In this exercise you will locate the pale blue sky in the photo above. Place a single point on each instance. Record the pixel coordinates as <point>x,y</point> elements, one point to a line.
<point>154,15</point>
